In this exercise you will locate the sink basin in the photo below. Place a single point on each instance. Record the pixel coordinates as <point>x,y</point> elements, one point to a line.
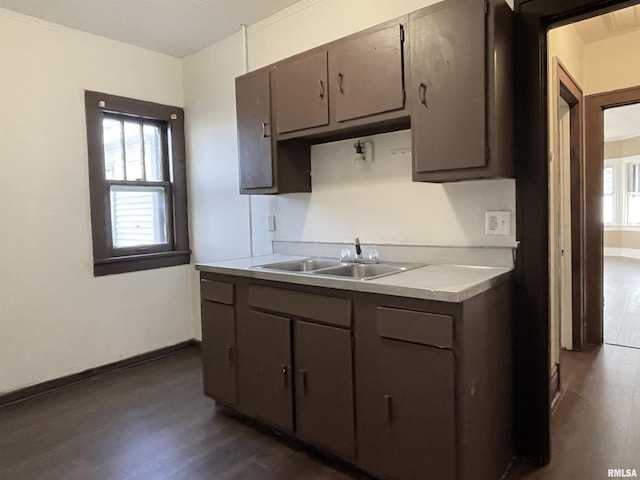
<point>307,265</point>
<point>365,271</point>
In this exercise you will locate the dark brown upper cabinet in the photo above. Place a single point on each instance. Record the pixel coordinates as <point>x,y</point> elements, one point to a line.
<point>266,166</point>
<point>460,93</point>
<point>366,74</point>
<point>449,80</point>
<point>253,103</point>
<point>352,86</point>
<point>302,92</point>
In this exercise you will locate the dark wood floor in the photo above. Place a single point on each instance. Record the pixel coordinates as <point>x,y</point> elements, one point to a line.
<point>622,301</point>
<point>596,424</point>
<point>152,422</point>
<point>148,422</point>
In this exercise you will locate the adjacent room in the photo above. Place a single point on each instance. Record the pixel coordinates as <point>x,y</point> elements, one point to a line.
<point>295,239</point>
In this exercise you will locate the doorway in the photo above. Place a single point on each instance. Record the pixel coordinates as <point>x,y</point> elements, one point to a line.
<point>613,153</point>
<point>566,214</point>
<point>531,274</point>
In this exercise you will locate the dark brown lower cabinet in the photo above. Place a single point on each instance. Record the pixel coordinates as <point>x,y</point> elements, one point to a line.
<point>407,428</point>
<point>324,387</point>
<point>264,368</point>
<point>218,351</point>
<point>404,388</point>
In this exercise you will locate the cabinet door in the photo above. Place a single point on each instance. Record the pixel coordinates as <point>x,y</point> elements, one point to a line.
<point>366,74</point>
<point>218,352</point>
<point>302,93</point>
<point>324,387</point>
<point>406,426</point>
<point>448,86</point>
<point>253,107</point>
<point>264,368</point>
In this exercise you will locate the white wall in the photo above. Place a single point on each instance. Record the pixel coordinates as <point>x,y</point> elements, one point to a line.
<point>379,203</point>
<point>55,317</point>
<point>612,64</point>
<point>218,214</point>
<point>566,44</point>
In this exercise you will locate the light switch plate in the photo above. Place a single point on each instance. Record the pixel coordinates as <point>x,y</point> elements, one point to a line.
<point>497,222</point>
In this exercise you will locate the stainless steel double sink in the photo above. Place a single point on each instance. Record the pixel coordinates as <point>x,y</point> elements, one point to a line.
<point>335,268</point>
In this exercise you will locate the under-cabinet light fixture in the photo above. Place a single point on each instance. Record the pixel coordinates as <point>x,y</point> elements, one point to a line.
<point>364,152</point>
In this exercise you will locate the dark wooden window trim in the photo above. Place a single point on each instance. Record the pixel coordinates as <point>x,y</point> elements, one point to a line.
<point>105,260</point>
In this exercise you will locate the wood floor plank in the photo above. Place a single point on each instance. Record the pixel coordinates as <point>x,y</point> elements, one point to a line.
<point>596,424</point>
<point>148,422</point>
<point>622,301</point>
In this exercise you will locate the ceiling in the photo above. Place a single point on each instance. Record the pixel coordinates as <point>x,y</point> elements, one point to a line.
<point>609,25</point>
<point>175,27</point>
<point>621,123</point>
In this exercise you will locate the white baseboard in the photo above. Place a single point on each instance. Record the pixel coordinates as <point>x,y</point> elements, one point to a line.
<point>622,252</point>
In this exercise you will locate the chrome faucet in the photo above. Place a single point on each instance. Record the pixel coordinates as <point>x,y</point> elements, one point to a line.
<point>372,257</point>
<point>358,249</point>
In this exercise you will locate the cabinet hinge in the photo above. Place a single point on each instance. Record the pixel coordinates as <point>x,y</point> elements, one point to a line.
<point>486,8</point>
<point>402,33</point>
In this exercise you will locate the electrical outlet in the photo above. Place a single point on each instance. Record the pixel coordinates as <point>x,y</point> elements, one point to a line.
<point>271,223</point>
<point>497,223</point>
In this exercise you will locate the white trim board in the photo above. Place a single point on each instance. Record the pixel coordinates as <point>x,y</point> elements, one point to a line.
<point>622,252</point>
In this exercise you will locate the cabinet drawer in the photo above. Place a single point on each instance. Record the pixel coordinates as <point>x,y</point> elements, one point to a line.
<point>416,327</point>
<point>215,291</point>
<point>331,310</point>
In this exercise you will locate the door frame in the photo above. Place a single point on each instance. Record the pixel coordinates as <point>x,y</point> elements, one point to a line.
<point>594,149</point>
<point>569,90</point>
<point>531,273</point>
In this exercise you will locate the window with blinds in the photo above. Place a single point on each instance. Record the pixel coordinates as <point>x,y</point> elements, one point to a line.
<point>137,176</point>
<point>136,168</point>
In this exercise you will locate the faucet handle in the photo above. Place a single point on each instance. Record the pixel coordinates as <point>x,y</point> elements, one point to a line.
<point>373,256</point>
<point>345,255</point>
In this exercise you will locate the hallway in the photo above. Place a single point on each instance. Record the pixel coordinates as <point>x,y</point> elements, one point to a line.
<point>596,424</point>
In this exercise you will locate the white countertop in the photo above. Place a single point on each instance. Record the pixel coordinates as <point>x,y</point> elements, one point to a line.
<point>444,283</point>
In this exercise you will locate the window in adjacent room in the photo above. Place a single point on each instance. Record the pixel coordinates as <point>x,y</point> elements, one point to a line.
<point>137,178</point>
<point>608,198</point>
<point>633,194</point>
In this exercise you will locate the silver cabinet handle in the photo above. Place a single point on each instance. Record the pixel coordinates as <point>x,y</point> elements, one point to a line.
<point>321,88</point>
<point>340,77</point>
<point>265,134</point>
